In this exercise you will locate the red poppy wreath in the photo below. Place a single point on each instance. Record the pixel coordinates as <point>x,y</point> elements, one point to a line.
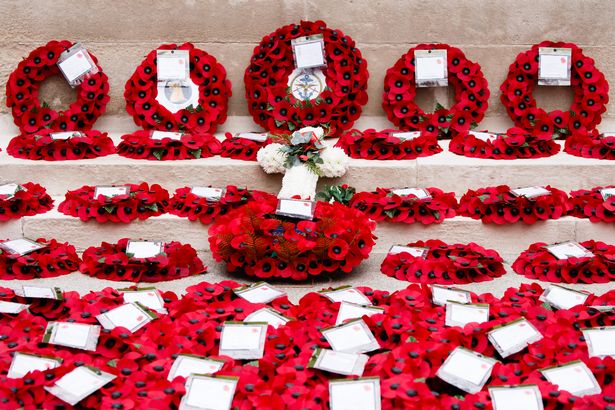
<point>444,264</point>
<point>467,79</point>
<point>110,261</point>
<point>387,144</point>
<point>237,147</point>
<point>168,146</point>
<point>24,200</point>
<point>282,98</point>
<point>595,204</point>
<point>51,259</point>
<point>207,77</point>
<point>590,95</point>
<point>130,202</point>
<point>591,145</point>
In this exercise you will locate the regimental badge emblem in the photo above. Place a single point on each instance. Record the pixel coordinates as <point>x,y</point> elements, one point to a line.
<point>306,84</point>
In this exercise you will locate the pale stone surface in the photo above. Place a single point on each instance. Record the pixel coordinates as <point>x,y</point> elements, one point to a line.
<point>586,230</point>
<point>11,229</point>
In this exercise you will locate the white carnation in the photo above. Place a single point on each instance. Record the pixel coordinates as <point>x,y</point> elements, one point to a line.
<point>335,162</point>
<point>299,180</point>
<point>272,159</point>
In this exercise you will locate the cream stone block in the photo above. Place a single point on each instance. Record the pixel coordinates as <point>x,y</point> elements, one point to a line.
<point>11,229</point>
<point>598,231</point>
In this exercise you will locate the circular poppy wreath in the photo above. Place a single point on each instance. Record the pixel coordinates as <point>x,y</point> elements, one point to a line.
<point>23,86</point>
<point>590,87</point>
<point>241,148</point>
<point>185,204</point>
<point>537,262</point>
<point>42,146</point>
<point>466,78</point>
<point>514,143</point>
<point>140,145</point>
<point>253,240</point>
<point>142,201</point>
<point>110,261</point>
<point>591,145</point>
<point>381,145</point>
<point>205,72</point>
<point>499,206</point>
<point>384,205</point>
<point>274,107</point>
<point>49,309</point>
<point>55,259</point>
<point>592,205</point>
<point>445,264</point>
<point>29,199</point>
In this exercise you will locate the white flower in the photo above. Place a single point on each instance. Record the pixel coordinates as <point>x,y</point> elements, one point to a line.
<point>299,180</point>
<point>335,162</point>
<point>272,159</point>
<point>304,135</point>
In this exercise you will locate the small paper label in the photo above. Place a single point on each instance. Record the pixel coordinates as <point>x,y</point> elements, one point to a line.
<point>607,193</point>
<point>563,298</point>
<point>484,136</point>
<point>337,362</point>
<point>144,249</point>
<point>309,52</point>
<point>259,293</point>
<point>459,314</point>
<point>441,295</point>
<point>431,68</point>
<point>351,337</point>
<point>209,393</point>
<point>76,335</point>
<point>569,250</point>
<point>349,311</point>
<point>513,337</point>
<point>172,64</point>
<point>419,193</point>
<point>526,397</point>
<point>110,191</point>
<point>65,135</point>
<point>417,252</point>
<point>530,192</point>
<point>554,66</point>
<point>149,298</point>
<point>160,135</point>
<point>407,135</point>
<point>269,316</point>
<point>23,363</point>
<point>187,365</point>
<point>253,136</point>
<point>39,292</point>
<point>600,341</point>
<point>574,377</point>
<point>243,340</point>
<point>12,308</point>
<point>20,247</point>
<point>9,189</point>
<point>355,394</point>
<point>346,294</point>
<point>78,384</point>
<point>130,316</point>
<point>75,64</point>
<point>296,208</point>
<point>209,193</point>
<point>466,370</point>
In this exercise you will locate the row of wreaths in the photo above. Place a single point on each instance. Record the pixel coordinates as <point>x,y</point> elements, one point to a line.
<point>275,109</point>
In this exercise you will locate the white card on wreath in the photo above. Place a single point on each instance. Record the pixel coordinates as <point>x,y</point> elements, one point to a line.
<point>207,192</point>
<point>561,297</point>
<point>350,310</point>
<point>419,193</point>
<point>603,308</point>
<point>574,377</point>
<point>513,337</point>
<point>209,393</point>
<point>23,363</point>
<point>12,308</point>
<point>296,208</point>
<point>65,135</point>
<point>355,394</point>
<point>348,364</point>
<point>75,64</point>
<point>430,68</point>
<point>526,397</point>
<point>160,135</point>
<point>9,189</point>
<point>243,340</point>
<point>39,292</point>
<point>130,316</point>
<point>441,294</point>
<point>187,365</point>
<point>144,249</point>
<point>346,294</point>
<point>466,370</point>
<point>148,297</point>
<point>76,335</point>
<point>253,136</point>
<point>600,341</point>
<point>111,191</point>
<point>484,136</point>
<point>172,65</point>
<point>554,66</point>
<point>260,292</point>
<point>351,337</point>
<point>267,315</point>
<point>460,314</point>
<point>607,193</point>
<point>530,192</point>
<point>406,135</point>
<point>569,249</point>
<point>79,383</point>
<point>309,52</point>
<point>416,251</point>
<point>21,246</point>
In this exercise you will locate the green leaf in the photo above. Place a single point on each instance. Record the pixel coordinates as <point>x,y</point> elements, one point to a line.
<point>152,207</point>
<point>101,260</point>
<point>391,213</point>
<point>112,363</point>
<point>109,208</point>
<point>411,339</point>
<point>547,306</point>
<point>436,214</point>
<point>45,105</point>
<point>196,153</point>
<point>158,153</point>
<point>439,106</point>
<point>279,123</point>
<point>291,126</point>
<point>199,108</point>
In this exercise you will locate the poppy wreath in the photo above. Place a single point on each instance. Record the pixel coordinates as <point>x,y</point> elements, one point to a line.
<point>591,204</point>
<point>140,145</point>
<point>537,262</point>
<point>270,101</point>
<point>55,259</point>
<point>499,206</point>
<point>384,205</point>
<point>110,261</point>
<point>514,143</point>
<point>22,88</point>
<point>142,201</point>
<point>445,264</point>
<point>29,199</point>
<point>590,87</point>
<point>372,144</point>
<point>466,78</point>
<point>205,72</point>
<point>591,145</point>
<point>252,239</point>
<point>241,148</point>
<point>42,146</point>
<point>185,204</point>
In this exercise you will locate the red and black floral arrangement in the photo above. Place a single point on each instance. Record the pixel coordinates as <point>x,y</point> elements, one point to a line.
<point>110,261</point>
<point>591,145</point>
<point>498,205</point>
<point>384,205</point>
<point>29,199</point>
<point>444,264</point>
<point>140,145</point>
<point>141,202</point>
<point>381,145</point>
<point>241,148</point>
<point>537,262</point>
<point>55,259</point>
<point>41,145</point>
<point>253,240</point>
<point>266,79</point>
<point>592,204</point>
<point>465,76</point>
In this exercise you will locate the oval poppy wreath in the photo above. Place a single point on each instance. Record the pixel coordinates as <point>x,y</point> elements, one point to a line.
<point>384,205</point>
<point>591,145</point>
<point>537,262</point>
<point>29,199</point>
<point>22,88</point>
<point>140,145</point>
<point>466,78</point>
<point>241,148</point>
<point>591,94</point>
<point>55,259</point>
<point>141,202</point>
<point>444,264</point>
<point>41,145</point>
<point>372,144</point>
<point>270,100</point>
<point>591,204</point>
<point>499,206</point>
<point>253,240</point>
<point>205,72</point>
<point>514,143</point>
<point>110,261</point>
